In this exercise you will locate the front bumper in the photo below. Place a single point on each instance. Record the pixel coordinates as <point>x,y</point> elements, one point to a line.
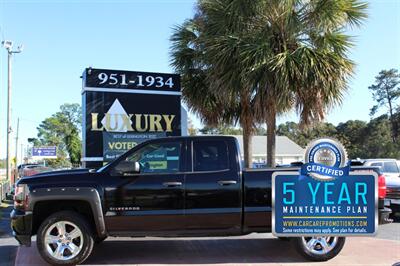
<point>21,225</point>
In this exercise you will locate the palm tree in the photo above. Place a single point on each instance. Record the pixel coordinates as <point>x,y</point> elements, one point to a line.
<point>299,58</point>
<point>266,58</point>
<point>215,91</point>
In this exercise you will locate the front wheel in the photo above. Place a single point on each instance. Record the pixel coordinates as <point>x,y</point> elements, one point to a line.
<point>65,238</point>
<point>318,248</point>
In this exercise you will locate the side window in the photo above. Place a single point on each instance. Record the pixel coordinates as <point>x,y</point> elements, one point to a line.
<point>210,156</point>
<point>390,167</point>
<point>158,157</point>
<point>376,164</point>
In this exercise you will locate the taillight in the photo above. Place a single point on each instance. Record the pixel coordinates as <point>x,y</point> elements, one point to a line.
<point>21,196</point>
<point>381,187</point>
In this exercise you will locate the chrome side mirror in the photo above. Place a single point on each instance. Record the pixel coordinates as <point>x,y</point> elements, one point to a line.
<point>126,168</point>
<point>136,167</point>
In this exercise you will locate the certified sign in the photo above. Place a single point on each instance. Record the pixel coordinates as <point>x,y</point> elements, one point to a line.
<point>324,198</point>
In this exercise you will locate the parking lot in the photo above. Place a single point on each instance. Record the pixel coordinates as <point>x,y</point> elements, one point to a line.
<point>254,249</point>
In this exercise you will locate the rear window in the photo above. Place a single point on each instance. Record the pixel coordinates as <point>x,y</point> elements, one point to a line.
<point>387,167</point>
<point>210,156</point>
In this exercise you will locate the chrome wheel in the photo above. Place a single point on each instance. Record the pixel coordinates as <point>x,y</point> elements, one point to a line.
<point>63,240</point>
<point>319,245</point>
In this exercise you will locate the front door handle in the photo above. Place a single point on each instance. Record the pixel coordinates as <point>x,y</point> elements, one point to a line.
<point>172,184</point>
<point>227,182</point>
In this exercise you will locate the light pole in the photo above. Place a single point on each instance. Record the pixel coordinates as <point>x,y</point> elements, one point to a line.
<point>8,45</point>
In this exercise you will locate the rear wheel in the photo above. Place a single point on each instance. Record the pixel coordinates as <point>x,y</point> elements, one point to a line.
<point>65,238</point>
<point>318,248</point>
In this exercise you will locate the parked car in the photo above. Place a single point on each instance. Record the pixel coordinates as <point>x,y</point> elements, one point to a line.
<point>177,186</point>
<point>34,169</point>
<point>21,168</point>
<point>391,170</point>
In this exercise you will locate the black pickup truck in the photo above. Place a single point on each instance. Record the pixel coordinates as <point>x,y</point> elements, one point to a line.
<point>179,186</point>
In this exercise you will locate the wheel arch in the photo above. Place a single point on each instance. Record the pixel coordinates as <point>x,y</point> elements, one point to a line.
<point>75,197</point>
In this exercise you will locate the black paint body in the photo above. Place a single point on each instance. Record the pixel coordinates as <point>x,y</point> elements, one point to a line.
<point>201,204</point>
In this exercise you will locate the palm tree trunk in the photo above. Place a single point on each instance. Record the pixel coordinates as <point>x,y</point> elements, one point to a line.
<point>271,139</point>
<point>247,147</point>
<point>246,121</point>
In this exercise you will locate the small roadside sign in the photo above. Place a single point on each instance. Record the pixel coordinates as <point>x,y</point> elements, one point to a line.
<point>45,152</point>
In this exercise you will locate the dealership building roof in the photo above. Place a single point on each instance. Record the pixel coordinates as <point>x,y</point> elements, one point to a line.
<point>286,149</point>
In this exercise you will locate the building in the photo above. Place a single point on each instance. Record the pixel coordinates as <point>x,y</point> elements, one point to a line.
<point>287,151</point>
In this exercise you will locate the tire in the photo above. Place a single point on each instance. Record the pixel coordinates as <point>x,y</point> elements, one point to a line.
<point>318,248</point>
<point>69,239</point>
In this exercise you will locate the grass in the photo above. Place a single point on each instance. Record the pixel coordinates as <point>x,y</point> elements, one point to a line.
<point>3,205</point>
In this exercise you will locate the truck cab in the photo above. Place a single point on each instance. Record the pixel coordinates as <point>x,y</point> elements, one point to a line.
<point>183,185</point>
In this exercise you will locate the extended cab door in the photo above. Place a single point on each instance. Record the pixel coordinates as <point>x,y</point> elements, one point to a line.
<point>213,186</point>
<point>151,200</point>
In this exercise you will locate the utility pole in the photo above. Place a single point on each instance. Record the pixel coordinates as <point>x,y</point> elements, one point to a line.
<point>8,45</point>
<point>16,144</point>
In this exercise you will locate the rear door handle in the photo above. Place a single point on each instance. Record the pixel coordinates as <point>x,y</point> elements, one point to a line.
<point>227,182</point>
<point>172,184</point>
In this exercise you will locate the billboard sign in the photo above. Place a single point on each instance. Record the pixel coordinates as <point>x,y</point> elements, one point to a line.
<point>125,108</point>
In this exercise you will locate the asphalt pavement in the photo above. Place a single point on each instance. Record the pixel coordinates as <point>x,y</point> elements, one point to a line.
<point>390,231</point>
<point>254,249</point>
<point>8,245</point>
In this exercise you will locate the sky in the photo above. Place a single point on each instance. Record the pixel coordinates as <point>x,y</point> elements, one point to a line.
<point>62,38</point>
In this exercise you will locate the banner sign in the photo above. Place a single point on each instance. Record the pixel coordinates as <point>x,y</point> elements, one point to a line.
<point>305,207</point>
<point>45,152</point>
<point>115,144</point>
<point>324,199</point>
<point>124,108</point>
